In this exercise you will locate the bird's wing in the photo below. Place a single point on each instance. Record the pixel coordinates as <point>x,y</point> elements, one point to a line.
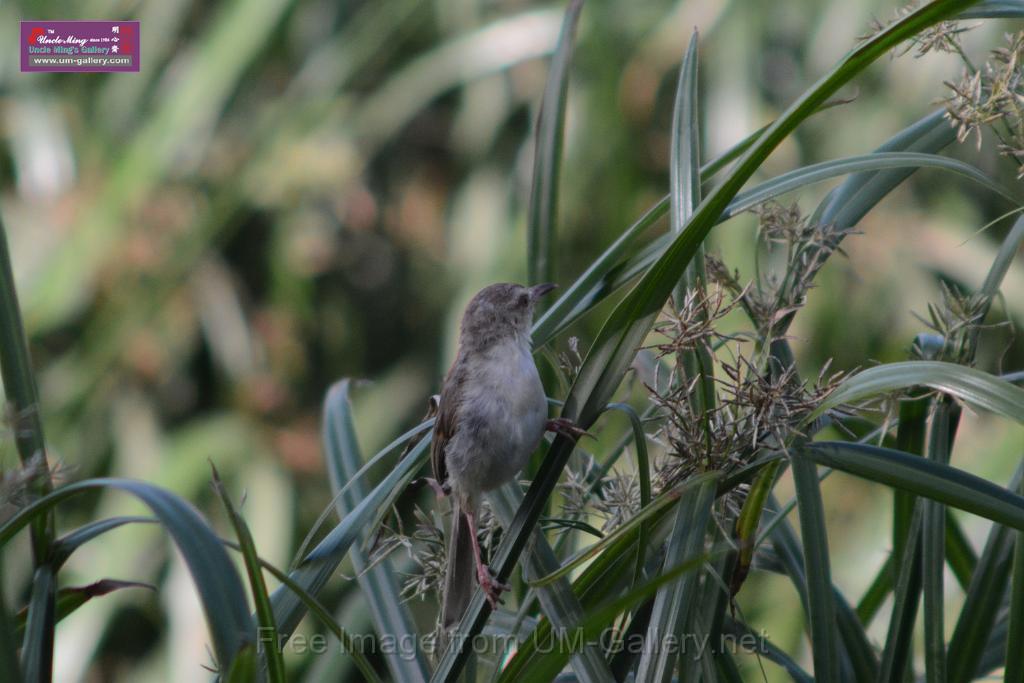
<point>445,426</point>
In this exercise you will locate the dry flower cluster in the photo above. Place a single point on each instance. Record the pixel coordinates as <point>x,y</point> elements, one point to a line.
<point>993,96</point>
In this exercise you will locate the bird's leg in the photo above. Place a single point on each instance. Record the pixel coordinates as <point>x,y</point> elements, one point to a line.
<point>488,581</point>
<point>565,427</point>
<point>440,490</point>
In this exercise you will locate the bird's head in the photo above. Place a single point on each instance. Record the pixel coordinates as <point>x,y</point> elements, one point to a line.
<point>500,311</point>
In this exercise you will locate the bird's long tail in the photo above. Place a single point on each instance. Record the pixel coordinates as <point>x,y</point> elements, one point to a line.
<point>460,575</point>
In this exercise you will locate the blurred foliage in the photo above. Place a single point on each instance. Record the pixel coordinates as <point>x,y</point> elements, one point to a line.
<point>291,191</point>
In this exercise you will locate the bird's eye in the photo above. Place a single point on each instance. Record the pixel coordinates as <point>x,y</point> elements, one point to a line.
<point>524,299</point>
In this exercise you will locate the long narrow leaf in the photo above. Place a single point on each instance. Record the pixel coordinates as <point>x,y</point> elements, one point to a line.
<point>907,594</point>
<point>933,547</point>
<point>10,668</point>
<point>643,472</point>
<point>217,582</point>
<point>20,389</point>
<point>546,667</point>
<point>64,546</point>
<point>317,609</point>
<point>983,601</point>
<point>558,601</point>
<point>684,170</point>
<point>264,612</point>
<point>597,282</point>
<point>378,583</point>
<point>658,506</point>
<point>817,572</point>
<point>543,210</point>
<point>37,645</point>
<point>932,480</point>
<point>967,384</point>
<point>674,602</point>
<point>71,598</point>
<point>317,567</point>
<point>1015,635</point>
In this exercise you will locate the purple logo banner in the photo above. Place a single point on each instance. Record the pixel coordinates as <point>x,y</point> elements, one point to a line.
<point>80,46</point>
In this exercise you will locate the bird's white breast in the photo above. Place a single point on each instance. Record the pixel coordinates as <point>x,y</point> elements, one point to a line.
<point>501,418</point>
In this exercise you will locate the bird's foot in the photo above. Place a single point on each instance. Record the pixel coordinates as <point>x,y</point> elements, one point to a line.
<point>440,490</point>
<point>566,427</point>
<point>491,586</point>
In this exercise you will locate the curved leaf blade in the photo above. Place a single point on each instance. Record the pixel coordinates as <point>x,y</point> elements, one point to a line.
<point>543,210</point>
<point>378,583</point>
<point>967,384</point>
<point>923,477</point>
<point>217,582</point>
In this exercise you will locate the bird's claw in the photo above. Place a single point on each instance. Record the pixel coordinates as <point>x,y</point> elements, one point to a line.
<point>490,584</point>
<point>440,490</point>
<point>567,428</point>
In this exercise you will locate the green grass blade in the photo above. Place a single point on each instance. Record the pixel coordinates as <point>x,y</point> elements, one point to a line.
<point>594,284</point>
<point>875,161</point>
<point>674,602</point>
<point>684,167</point>
<point>647,514</point>
<point>817,571</point>
<point>358,477</point>
<point>20,391</point>
<point>245,668</point>
<point>983,601</point>
<point>37,645</point>
<point>67,544</point>
<point>876,593</point>
<point>261,600</point>
<point>543,210</point>
<point>907,595</point>
<point>967,384</point>
<point>770,651</point>
<point>684,196</point>
<point>910,438</point>
<point>10,668</point>
<point>643,473</point>
<point>601,578</point>
<point>749,521</point>
<point>1004,257</point>
<point>71,598</point>
<point>558,601</point>
<point>1015,636</point>
<point>547,666</point>
<point>608,274</point>
<point>992,9</point>
<point>960,556</point>
<point>379,584</point>
<point>790,556</point>
<point>317,567</point>
<point>321,613</point>
<point>933,547</point>
<point>216,580</point>
<point>923,477</point>
<point>861,192</point>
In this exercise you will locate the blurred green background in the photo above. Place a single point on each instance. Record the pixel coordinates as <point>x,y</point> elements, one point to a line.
<point>294,191</point>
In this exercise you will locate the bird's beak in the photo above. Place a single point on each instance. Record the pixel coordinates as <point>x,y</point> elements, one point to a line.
<point>537,291</point>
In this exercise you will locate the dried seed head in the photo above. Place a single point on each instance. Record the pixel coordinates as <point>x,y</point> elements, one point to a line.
<point>619,499</point>
<point>693,323</point>
<point>993,96</point>
<point>941,37</point>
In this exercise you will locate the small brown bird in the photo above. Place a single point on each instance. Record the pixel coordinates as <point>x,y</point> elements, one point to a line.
<point>492,415</point>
